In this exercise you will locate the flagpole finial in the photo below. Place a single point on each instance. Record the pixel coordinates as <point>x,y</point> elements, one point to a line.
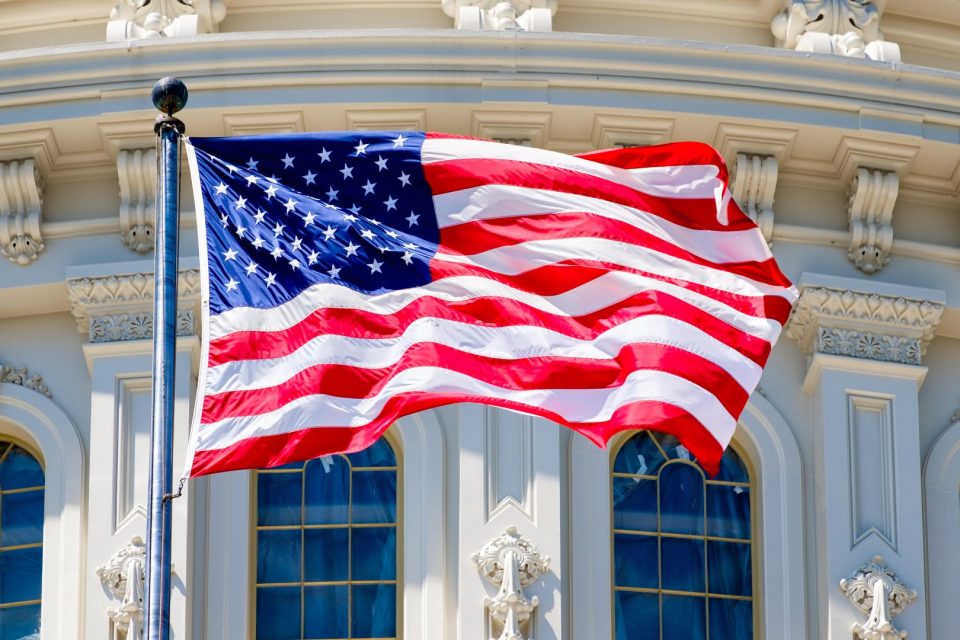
<point>169,95</point>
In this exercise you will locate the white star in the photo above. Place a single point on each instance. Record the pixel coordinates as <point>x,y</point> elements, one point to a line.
<point>309,218</point>
<point>410,245</point>
<point>310,177</point>
<point>241,230</point>
<point>287,161</point>
<point>354,209</point>
<point>412,219</point>
<point>398,141</point>
<point>251,267</point>
<point>312,258</point>
<point>221,189</point>
<point>351,248</point>
<point>407,257</point>
<point>231,168</point>
<point>334,272</point>
<point>277,252</point>
<point>368,188</point>
<point>375,266</point>
<point>258,216</point>
<point>347,172</point>
<point>374,222</point>
<point>270,279</point>
<point>252,164</point>
<point>271,191</point>
<point>361,148</point>
<point>224,220</point>
<point>349,217</point>
<point>404,179</point>
<point>367,234</point>
<point>383,249</point>
<point>273,179</point>
<point>251,179</point>
<point>229,254</point>
<point>332,194</point>
<point>296,244</point>
<point>391,203</point>
<point>328,233</point>
<point>324,155</point>
<point>277,230</point>
<point>290,204</point>
<point>393,234</point>
<point>294,264</point>
<point>381,163</point>
<point>241,203</point>
<point>258,242</point>
<point>232,284</point>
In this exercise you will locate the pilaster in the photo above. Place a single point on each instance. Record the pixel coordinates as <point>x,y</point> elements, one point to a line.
<point>865,343</point>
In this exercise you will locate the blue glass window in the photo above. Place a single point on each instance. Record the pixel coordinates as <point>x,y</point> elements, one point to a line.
<point>21,542</point>
<point>326,548</point>
<point>682,544</point>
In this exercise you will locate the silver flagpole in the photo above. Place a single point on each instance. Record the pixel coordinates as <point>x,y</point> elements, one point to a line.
<point>169,96</point>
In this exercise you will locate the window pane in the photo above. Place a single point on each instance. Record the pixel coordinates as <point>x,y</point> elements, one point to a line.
<point>728,511</point>
<point>682,564</point>
<point>635,504</point>
<point>279,498</point>
<point>730,619</point>
<point>21,518</point>
<point>20,575</point>
<point>635,560</point>
<point>639,455</point>
<point>637,615</point>
<point>730,568</point>
<point>19,470</point>
<point>374,553</point>
<point>732,468</point>
<point>20,623</point>
<point>379,454</point>
<point>684,618</point>
<point>374,611</point>
<point>325,612</point>
<point>681,500</point>
<point>324,555</point>
<point>374,496</point>
<point>278,556</point>
<point>278,613</point>
<point>327,497</point>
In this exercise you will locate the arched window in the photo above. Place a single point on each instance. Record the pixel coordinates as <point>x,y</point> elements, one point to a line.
<point>326,547</point>
<point>21,542</point>
<point>682,544</point>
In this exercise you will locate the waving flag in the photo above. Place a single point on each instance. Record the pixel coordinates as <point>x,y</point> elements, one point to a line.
<point>353,278</point>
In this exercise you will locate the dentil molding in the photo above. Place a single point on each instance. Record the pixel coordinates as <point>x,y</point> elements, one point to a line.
<point>120,307</point>
<point>876,591</point>
<point>501,15</point>
<point>872,196</point>
<point>754,185</point>
<point>134,19</point>
<point>21,376</point>
<point>21,200</point>
<point>848,28</point>
<point>123,576</point>
<point>840,316</point>
<point>137,172</point>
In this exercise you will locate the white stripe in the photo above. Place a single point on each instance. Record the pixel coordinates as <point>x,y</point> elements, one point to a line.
<point>575,405</point>
<point>516,259</point>
<point>493,201</point>
<point>508,343</point>
<point>683,181</point>
<point>599,293</point>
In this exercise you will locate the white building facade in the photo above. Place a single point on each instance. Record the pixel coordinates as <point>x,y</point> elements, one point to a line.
<point>839,513</point>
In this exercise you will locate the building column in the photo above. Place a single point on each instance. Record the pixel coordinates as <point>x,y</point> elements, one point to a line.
<point>865,342</point>
<point>114,307</point>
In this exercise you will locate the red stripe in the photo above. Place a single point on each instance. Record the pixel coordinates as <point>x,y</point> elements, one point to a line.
<point>483,235</point>
<point>446,176</point>
<point>546,372</point>
<point>277,450</point>
<point>556,278</point>
<point>486,311</point>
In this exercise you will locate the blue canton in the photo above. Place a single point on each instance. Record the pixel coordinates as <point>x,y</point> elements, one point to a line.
<point>283,213</point>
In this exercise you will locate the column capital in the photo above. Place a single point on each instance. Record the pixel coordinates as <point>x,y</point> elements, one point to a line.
<point>865,320</point>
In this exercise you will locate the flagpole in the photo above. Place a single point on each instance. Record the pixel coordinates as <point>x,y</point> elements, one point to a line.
<point>169,96</point>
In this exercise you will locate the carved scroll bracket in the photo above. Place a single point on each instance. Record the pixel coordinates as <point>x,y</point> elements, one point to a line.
<point>511,562</point>
<point>849,28</point>
<point>754,184</point>
<point>877,591</point>
<point>501,15</point>
<point>21,199</point>
<point>137,172</point>
<point>872,194</point>
<point>122,575</point>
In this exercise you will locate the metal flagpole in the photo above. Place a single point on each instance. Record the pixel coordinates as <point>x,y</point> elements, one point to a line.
<point>169,96</point>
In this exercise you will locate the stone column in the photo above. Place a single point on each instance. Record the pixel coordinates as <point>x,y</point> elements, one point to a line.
<point>865,341</point>
<point>113,305</point>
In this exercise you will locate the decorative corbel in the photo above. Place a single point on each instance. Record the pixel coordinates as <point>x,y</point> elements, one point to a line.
<point>849,28</point>
<point>122,575</point>
<point>872,196</point>
<point>21,200</point>
<point>135,19</point>
<point>511,562</point>
<point>501,15</point>
<point>754,185</point>
<point>137,172</point>
<point>876,591</point>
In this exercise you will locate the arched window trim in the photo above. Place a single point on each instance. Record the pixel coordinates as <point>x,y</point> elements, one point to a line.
<point>941,475</point>
<point>768,446</point>
<point>46,431</point>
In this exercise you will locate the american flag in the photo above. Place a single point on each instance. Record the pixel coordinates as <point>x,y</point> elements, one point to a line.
<point>353,278</point>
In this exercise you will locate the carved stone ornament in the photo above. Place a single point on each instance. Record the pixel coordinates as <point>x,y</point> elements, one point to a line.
<point>849,28</point>
<point>123,576</point>
<point>120,307</point>
<point>872,197</point>
<point>500,15</point>
<point>754,184</point>
<point>511,562</point>
<point>21,200</point>
<point>135,19</point>
<point>876,591</point>
<point>137,171</point>
<point>21,376</point>
<point>863,325</point>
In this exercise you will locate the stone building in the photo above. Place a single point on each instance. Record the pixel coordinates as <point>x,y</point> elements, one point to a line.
<point>837,514</point>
